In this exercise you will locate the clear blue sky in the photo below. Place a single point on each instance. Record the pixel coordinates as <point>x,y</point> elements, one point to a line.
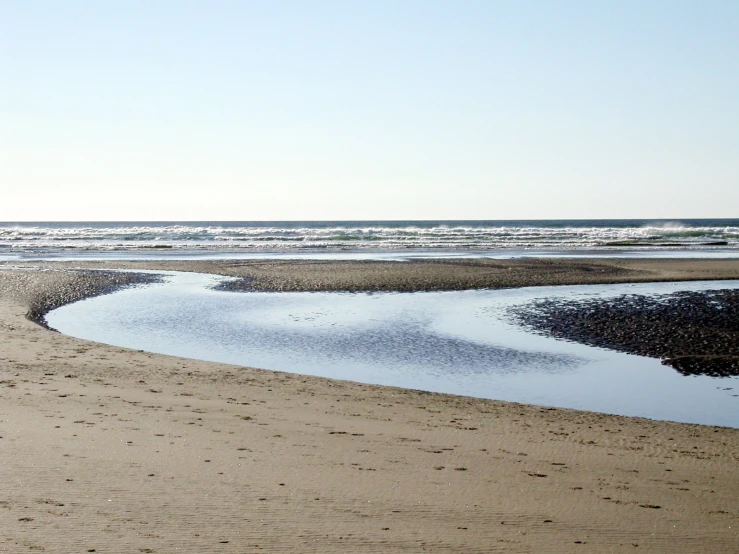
<point>259,110</point>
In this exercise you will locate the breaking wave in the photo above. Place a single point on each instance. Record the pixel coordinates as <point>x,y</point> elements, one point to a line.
<point>373,235</point>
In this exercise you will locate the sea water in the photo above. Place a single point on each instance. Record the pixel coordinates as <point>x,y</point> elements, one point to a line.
<point>460,342</point>
<point>369,239</point>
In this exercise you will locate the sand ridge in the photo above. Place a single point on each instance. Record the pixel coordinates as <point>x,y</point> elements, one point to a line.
<point>428,274</point>
<point>112,450</point>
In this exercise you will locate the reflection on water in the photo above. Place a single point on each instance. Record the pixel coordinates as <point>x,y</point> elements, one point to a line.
<point>456,342</point>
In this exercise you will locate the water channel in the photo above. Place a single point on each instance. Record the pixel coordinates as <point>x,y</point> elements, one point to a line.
<point>461,342</point>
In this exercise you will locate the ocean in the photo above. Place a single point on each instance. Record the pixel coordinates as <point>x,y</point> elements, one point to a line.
<point>33,240</point>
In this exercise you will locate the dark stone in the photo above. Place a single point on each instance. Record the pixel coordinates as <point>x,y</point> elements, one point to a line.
<point>697,333</point>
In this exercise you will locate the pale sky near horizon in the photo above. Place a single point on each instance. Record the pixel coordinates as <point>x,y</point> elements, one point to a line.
<point>368,109</point>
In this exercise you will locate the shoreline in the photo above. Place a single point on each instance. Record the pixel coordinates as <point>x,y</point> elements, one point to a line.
<point>122,451</point>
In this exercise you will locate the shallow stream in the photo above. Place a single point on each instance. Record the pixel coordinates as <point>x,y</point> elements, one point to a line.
<point>460,342</point>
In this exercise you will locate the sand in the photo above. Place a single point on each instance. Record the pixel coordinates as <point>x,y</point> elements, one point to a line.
<point>104,449</point>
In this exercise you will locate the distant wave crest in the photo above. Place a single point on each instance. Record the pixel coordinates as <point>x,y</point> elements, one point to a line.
<point>428,235</point>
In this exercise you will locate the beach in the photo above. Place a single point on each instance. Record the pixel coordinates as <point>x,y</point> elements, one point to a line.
<point>105,449</point>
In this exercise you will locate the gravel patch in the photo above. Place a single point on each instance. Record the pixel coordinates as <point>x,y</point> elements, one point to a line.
<point>697,333</point>
<point>43,290</point>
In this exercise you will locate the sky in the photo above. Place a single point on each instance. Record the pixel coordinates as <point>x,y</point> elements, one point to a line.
<point>368,109</point>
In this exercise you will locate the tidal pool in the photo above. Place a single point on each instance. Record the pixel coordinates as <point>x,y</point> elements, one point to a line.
<point>460,342</point>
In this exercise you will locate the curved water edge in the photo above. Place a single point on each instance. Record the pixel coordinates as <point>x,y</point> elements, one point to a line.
<point>459,342</point>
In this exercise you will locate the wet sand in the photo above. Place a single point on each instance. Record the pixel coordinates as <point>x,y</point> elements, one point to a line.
<point>431,275</point>
<point>111,450</point>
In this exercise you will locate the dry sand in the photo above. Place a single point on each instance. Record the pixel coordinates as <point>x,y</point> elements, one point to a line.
<point>104,449</point>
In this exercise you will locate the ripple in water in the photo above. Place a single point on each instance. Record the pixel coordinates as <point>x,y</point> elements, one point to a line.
<point>455,342</point>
